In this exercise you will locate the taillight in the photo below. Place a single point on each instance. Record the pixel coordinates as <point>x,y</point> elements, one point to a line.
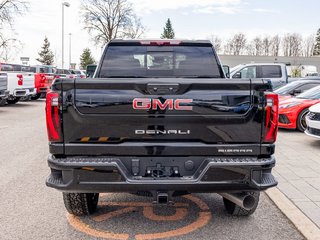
<point>43,78</point>
<point>161,43</point>
<point>20,79</point>
<point>53,117</point>
<point>271,118</point>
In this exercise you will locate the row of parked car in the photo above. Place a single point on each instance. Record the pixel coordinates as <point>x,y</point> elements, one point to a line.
<point>29,82</point>
<point>299,106</point>
<point>299,99</point>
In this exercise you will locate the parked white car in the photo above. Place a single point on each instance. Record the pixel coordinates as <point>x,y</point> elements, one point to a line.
<point>20,81</point>
<point>313,121</point>
<point>276,73</point>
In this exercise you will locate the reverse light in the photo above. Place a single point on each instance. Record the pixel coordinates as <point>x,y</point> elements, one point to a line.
<point>20,79</point>
<point>53,117</point>
<point>271,118</point>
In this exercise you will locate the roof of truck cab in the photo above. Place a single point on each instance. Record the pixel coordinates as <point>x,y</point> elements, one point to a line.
<point>138,42</point>
<point>263,64</point>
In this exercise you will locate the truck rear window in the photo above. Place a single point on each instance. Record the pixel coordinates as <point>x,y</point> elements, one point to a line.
<point>154,61</point>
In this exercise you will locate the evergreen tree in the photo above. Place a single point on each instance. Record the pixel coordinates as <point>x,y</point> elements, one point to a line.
<point>86,58</point>
<point>46,55</point>
<point>316,51</point>
<point>168,31</point>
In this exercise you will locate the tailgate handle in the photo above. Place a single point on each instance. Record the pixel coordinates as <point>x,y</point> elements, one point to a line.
<point>162,89</point>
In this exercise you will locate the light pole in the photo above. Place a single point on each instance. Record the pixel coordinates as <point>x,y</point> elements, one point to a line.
<point>64,4</point>
<point>70,34</point>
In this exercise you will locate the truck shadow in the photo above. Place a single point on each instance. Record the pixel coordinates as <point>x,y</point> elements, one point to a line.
<point>196,216</point>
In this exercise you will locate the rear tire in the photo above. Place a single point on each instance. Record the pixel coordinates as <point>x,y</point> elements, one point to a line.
<point>36,97</point>
<point>301,120</point>
<point>81,204</point>
<point>3,102</point>
<point>236,210</point>
<point>13,100</point>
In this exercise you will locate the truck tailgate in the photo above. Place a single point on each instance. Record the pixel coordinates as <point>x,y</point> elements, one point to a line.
<point>162,116</point>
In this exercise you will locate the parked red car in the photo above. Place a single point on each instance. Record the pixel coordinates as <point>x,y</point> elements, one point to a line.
<point>293,111</point>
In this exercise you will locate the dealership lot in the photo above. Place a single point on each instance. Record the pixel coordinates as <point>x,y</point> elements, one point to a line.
<point>30,210</point>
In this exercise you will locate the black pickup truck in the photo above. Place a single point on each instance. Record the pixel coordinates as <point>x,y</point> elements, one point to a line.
<point>160,118</point>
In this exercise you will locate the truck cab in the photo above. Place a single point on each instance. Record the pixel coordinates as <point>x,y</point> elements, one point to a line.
<point>276,73</point>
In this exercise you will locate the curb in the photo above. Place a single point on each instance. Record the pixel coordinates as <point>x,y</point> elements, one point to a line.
<point>305,226</point>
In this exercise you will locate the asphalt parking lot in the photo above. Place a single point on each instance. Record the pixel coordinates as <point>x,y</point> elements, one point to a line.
<point>30,210</point>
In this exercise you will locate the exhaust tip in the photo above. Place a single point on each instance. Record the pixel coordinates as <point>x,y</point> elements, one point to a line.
<point>248,202</point>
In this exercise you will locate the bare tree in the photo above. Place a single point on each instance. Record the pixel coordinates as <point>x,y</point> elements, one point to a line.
<point>308,45</point>
<point>228,47</point>
<point>109,19</point>
<point>292,45</point>
<point>216,42</point>
<point>239,43</point>
<point>9,9</point>
<point>275,45</point>
<point>266,45</point>
<point>257,45</point>
<point>236,45</point>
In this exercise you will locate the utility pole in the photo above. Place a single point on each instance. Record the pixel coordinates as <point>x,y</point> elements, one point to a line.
<point>70,34</point>
<point>64,4</point>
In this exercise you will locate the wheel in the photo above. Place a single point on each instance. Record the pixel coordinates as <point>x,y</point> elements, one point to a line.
<point>81,204</point>
<point>36,97</point>
<point>13,100</point>
<point>3,102</point>
<point>301,120</point>
<point>236,210</point>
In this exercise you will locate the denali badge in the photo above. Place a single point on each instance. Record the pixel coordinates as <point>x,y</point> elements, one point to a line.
<point>162,132</point>
<point>235,150</point>
<point>154,104</point>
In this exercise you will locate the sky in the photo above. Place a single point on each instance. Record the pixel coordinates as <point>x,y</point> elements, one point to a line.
<point>191,19</point>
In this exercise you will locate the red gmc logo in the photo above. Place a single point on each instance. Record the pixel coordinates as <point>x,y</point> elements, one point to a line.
<point>154,104</point>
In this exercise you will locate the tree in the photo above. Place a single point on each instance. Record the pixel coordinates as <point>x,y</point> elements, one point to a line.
<point>8,10</point>
<point>292,45</point>
<point>308,46</point>
<point>257,46</point>
<point>86,58</point>
<point>266,45</point>
<point>275,45</point>
<point>168,32</point>
<point>216,42</point>
<point>46,55</point>
<point>316,51</point>
<point>236,45</point>
<point>109,19</point>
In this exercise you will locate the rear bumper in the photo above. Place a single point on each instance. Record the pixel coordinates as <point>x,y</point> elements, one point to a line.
<point>212,174</point>
<point>24,92</point>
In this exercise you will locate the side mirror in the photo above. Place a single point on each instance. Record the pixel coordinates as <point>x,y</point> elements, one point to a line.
<point>90,70</point>
<point>237,75</point>
<point>226,70</point>
<point>295,92</point>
